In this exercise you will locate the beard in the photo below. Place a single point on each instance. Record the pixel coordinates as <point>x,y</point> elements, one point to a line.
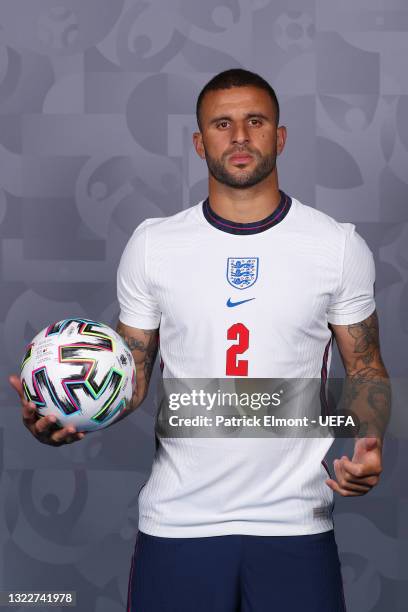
<point>244,178</point>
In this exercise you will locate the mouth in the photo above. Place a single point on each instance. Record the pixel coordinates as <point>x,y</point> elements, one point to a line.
<point>240,158</point>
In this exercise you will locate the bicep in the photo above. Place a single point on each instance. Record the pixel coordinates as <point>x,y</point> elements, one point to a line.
<point>143,343</point>
<point>359,345</point>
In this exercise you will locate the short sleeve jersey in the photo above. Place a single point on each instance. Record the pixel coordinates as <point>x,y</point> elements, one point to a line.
<point>203,280</point>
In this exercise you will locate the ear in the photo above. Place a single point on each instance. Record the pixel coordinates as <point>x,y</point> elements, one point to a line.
<point>198,144</point>
<point>281,134</point>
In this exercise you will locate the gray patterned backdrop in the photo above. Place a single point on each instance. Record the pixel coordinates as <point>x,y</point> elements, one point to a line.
<point>96,114</point>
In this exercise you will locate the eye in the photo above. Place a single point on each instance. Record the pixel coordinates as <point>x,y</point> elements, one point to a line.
<point>255,122</point>
<point>222,124</point>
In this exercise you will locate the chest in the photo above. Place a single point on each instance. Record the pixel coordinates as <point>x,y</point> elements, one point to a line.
<point>274,284</point>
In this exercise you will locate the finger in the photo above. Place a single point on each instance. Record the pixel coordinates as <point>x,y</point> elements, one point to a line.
<point>339,471</point>
<point>345,481</point>
<point>74,437</point>
<point>30,415</point>
<point>336,487</point>
<point>332,484</point>
<point>65,435</point>
<point>45,424</point>
<point>361,470</point>
<point>367,482</point>
<point>343,475</point>
<point>16,383</point>
<point>340,490</point>
<point>357,487</point>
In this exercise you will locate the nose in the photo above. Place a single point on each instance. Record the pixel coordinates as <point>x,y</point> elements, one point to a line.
<point>240,134</point>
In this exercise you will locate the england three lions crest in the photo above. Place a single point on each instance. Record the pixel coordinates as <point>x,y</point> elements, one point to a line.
<point>242,272</point>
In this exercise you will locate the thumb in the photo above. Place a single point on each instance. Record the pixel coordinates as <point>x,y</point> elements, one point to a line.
<point>371,443</point>
<point>362,446</point>
<point>15,382</point>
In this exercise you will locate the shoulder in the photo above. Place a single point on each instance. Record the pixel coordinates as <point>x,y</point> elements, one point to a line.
<point>338,242</point>
<point>184,220</point>
<point>317,222</point>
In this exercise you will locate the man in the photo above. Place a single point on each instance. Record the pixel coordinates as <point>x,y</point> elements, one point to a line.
<point>247,283</point>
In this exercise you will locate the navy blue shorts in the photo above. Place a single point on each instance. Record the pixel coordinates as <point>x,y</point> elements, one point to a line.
<point>236,573</point>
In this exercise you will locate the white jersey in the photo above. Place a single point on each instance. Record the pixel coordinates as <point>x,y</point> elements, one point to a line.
<point>242,300</point>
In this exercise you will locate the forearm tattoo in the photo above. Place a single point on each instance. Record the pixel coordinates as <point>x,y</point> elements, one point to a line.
<point>144,349</point>
<point>150,354</point>
<point>367,387</point>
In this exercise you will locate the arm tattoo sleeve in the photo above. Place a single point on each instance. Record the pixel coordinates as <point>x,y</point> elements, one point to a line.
<point>367,390</point>
<point>144,346</point>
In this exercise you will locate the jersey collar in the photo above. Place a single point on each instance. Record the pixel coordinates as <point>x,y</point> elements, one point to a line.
<point>256,227</point>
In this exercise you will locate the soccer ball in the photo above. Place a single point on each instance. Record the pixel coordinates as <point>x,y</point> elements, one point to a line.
<point>81,371</point>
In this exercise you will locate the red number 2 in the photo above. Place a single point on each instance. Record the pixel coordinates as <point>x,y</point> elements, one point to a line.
<point>234,366</point>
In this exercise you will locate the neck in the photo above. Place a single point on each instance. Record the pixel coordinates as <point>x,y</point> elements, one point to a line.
<point>244,205</point>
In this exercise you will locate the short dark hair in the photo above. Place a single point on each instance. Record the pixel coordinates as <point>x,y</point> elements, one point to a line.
<point>236,77</point>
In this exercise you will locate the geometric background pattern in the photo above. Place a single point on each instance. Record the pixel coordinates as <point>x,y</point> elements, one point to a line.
<point>97,101</point>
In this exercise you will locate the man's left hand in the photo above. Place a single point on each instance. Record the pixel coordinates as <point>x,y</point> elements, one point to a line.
<point>362,473</point>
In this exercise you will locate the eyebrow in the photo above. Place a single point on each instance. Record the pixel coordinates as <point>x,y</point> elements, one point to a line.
<point>247,116</point>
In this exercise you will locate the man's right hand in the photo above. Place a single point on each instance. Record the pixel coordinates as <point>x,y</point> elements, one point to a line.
<point>44,428</point>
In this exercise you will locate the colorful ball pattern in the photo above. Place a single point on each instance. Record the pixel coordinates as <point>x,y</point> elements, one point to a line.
<point>81,371</point>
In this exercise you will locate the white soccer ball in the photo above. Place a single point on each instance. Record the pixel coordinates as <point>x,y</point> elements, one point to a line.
<point>81,371</point>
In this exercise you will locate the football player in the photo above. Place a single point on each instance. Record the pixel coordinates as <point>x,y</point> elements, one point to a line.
<point>249,283</point>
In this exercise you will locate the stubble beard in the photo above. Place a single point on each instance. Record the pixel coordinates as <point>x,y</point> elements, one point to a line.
<point>242,179</point>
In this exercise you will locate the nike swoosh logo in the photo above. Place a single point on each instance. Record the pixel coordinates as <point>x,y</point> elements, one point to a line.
<point>232,304</point>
